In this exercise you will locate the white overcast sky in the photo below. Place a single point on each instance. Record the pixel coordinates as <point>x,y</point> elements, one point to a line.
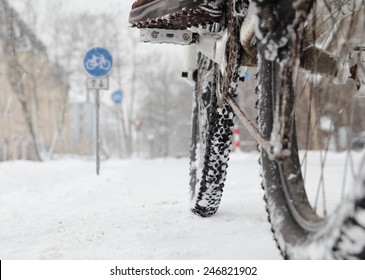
<point>42,9</point>
<point>94,6</point>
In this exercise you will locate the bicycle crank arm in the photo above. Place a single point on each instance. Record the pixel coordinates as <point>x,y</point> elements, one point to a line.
<point>319,62</point>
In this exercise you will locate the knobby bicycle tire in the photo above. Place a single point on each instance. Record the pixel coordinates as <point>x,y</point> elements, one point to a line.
<point>211,140</point>
<point>212,121</point>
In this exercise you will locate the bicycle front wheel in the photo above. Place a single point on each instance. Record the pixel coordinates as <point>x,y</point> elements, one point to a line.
<point>315,197</point>
<point>211,140</point>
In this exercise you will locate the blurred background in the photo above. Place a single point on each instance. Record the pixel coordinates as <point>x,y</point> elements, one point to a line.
<point>45,108</point>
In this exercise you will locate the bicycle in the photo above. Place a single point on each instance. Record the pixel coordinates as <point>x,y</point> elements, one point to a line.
<point>310,59</point>
<point>98,62</point>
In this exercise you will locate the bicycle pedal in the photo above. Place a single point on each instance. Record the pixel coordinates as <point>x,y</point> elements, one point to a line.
<point>167,36</point>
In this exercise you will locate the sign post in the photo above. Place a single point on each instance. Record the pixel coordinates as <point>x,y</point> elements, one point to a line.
<point>97,63</point>
<point>117,98</point>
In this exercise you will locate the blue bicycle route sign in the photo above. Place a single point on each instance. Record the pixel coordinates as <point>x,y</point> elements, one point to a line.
<point>98,62</point>
<point>117,97</point>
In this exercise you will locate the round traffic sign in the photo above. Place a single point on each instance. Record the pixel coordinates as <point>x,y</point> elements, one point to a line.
<point>117,97</point>
<point>98,62</point>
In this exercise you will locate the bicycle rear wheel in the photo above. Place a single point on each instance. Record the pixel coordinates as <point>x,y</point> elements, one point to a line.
<point>315,197</point>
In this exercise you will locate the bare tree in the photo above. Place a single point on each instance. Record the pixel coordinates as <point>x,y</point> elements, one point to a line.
<point>165,107</point>
<point>16,71</point>
<point>138,72</point>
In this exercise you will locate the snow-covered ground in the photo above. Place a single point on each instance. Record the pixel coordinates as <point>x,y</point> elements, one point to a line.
<point>136,209</point>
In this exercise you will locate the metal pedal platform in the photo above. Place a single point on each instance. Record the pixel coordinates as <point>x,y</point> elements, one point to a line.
<point>160,36</point>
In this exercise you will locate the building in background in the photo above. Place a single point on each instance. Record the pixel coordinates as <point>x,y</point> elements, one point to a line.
<point>33,94</point>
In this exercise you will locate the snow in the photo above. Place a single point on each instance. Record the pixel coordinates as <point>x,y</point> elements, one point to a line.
<point>139,209</point>
<point>136,209</point>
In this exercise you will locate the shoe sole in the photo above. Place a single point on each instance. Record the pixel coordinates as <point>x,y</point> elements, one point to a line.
<point>160,8</point>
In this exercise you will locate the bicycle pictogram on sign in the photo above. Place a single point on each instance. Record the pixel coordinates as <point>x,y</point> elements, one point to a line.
<point>98,62</point>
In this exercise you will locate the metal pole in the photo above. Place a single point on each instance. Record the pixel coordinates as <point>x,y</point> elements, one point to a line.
<point>97,102</point>
<point>119,135</point>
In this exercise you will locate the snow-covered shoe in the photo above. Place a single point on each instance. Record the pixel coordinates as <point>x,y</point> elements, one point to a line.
<point>175,14</point>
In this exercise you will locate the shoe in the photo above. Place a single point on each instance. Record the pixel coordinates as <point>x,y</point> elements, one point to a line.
<point>175,14</point>
<point>143,10</point>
